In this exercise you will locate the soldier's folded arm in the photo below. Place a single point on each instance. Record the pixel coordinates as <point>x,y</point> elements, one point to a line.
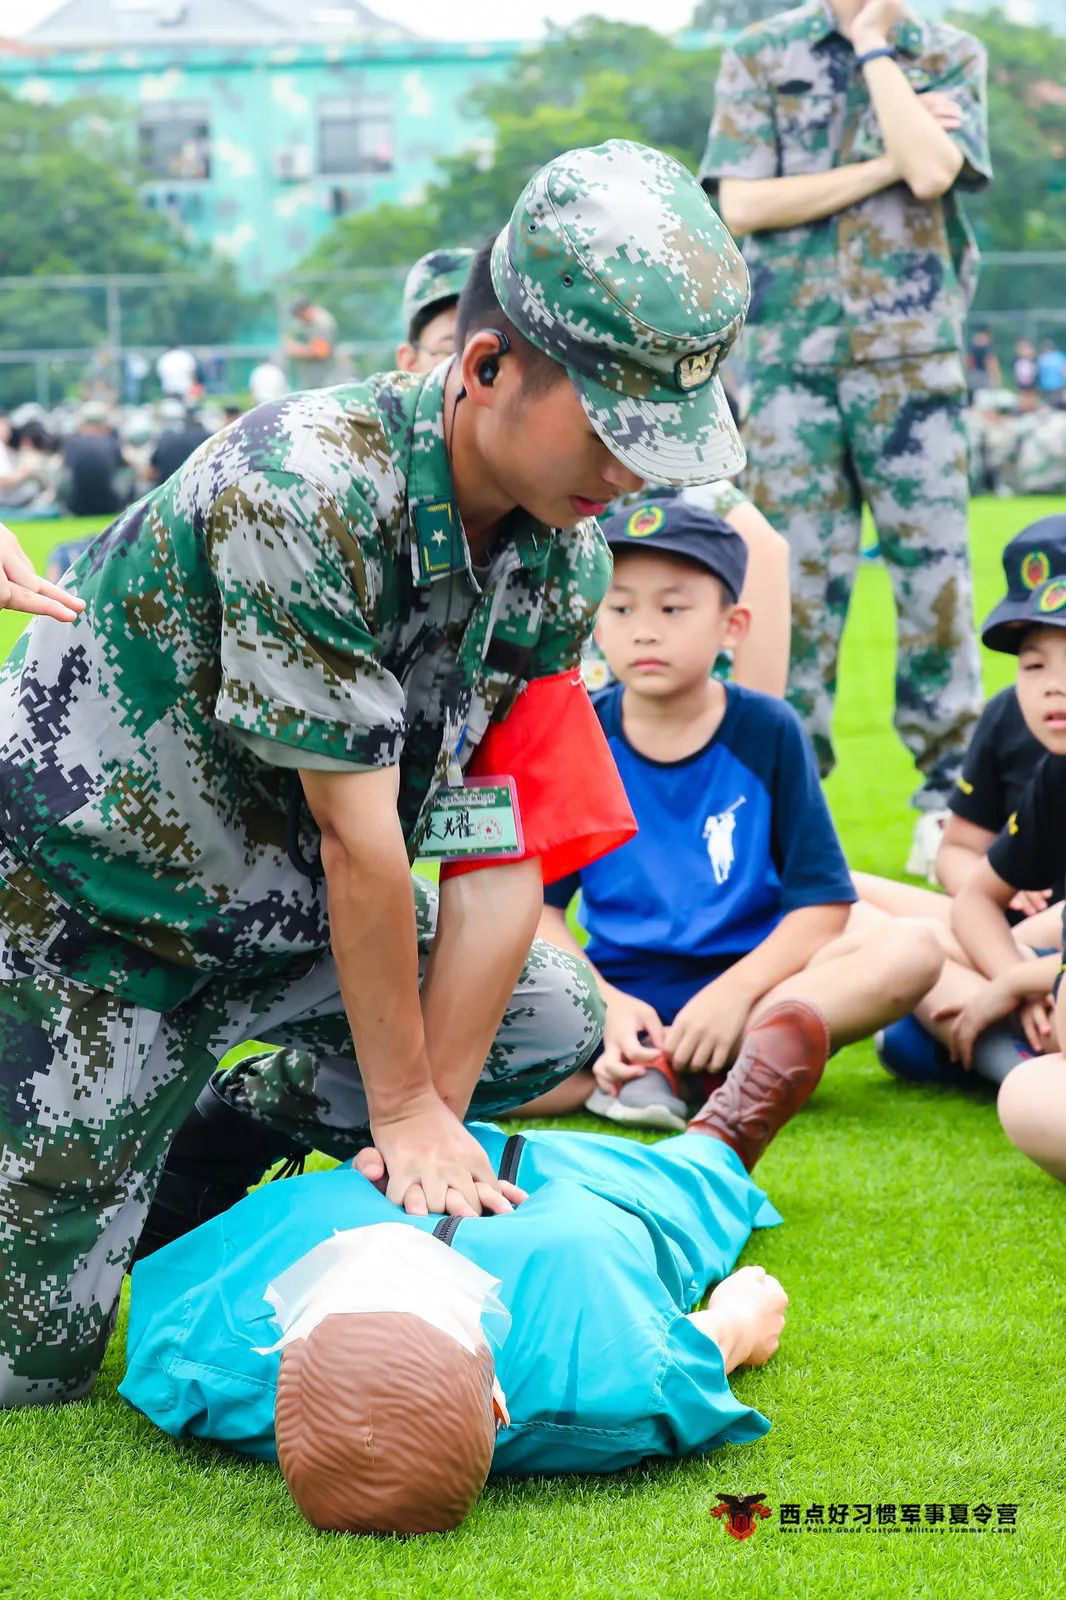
<point>740,167</point>
<point>753,205</point>
<point>927,158</point>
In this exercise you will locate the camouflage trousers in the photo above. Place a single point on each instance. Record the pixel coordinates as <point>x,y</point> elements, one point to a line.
<point>821,441</point>
<point>93,1089</point>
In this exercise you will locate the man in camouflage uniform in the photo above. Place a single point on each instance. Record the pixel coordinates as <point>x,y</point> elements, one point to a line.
<point>1040,465</point>
<point>214,780</point>
<point>430,301</point>
<point>840,137</point>
<point>311,345</point>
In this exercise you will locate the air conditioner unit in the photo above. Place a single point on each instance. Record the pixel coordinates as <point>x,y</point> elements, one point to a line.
<point>293,164</point>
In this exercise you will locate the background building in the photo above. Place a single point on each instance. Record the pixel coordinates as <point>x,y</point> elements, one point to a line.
<point>256,124</point>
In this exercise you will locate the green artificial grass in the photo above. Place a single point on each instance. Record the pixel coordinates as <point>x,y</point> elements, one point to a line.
<point>922,1361</point>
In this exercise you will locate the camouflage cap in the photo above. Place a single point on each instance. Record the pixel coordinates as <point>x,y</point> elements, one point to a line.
<point>440,275</point>
<point>615,263</point>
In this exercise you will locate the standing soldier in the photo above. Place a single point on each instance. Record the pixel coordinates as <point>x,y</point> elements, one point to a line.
<point>293,655</point>
<point>841,135</point>
<point>311,345</point>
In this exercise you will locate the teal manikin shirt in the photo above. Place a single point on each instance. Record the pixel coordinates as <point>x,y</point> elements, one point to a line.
<point>601,1367</point>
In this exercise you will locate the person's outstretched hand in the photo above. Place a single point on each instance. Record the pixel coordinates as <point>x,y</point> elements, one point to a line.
<point>22,590</point>
<point>429,1164</point>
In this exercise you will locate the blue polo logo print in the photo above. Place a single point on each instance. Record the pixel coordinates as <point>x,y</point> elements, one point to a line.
<point>718,833</point>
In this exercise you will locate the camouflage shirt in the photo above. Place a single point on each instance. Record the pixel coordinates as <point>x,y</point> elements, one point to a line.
<point>298,594</point>
<point>890,276</point>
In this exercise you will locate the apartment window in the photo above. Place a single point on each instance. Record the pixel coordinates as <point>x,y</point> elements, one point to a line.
<point>175,140</point>
<point>355,135</point>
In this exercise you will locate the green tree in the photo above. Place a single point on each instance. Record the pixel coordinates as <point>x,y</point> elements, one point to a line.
<point>66,204</point>
<point>593,81</point>
<point>598,80</point>
<point>69,205</point>
<point>1023,208</point>
<point>729,16</point>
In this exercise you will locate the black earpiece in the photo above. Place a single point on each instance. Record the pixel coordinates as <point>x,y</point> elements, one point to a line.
<point>489,369</point>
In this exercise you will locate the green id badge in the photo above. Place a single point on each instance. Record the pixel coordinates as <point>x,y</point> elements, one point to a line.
<point>479,822</point>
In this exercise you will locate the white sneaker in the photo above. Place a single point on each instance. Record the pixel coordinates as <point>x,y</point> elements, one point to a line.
<point>928,832</point>
<point>649,1101</point>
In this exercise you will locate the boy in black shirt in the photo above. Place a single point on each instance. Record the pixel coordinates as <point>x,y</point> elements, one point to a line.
<point>1004,753</point>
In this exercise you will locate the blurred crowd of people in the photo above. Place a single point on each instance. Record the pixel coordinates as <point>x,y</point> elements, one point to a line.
<point>92,459</point>
<point>1017,420</point>
<point>94,455</point>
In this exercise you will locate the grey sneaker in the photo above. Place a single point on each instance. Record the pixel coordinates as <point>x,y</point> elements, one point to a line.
<point>650,1101</point>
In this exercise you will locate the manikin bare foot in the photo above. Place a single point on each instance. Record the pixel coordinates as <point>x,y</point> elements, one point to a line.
<point>744,1317</point>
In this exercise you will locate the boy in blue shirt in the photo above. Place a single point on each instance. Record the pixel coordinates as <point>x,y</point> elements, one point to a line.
<point>735,892</point>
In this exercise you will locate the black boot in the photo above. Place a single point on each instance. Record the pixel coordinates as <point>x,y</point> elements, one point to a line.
<point>217,1154</point>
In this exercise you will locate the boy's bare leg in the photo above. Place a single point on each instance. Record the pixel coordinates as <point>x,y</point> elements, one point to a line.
<point>1032,1110</point>
<point>744,1317</point>
<point>902,899</point>
<point>1041,932</point>
<point>865,980</point>
<point>956,985</point>
<point>565,1098</point>
<point>881,897</point>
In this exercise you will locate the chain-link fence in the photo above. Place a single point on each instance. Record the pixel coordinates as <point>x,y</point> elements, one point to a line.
<point>64,337</point>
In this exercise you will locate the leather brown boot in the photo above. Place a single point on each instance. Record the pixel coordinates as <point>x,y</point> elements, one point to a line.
<point>782,1056</point>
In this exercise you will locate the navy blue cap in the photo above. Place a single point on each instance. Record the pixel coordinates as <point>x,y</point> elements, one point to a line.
<point>680,528</point>
<point>1033,561</point>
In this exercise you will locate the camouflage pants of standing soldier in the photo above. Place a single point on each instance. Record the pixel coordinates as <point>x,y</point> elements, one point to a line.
<point>93,1089</point>
<point>821,440</point>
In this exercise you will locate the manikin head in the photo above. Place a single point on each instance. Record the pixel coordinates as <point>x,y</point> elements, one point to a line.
<point>384,1424</point>
<point>590,334</point>
<point>387,1404</point>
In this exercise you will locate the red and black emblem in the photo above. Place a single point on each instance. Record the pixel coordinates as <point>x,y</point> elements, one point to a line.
<point>741,1510</point>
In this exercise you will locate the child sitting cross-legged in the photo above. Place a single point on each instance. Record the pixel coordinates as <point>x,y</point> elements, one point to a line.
<point>735,893</point>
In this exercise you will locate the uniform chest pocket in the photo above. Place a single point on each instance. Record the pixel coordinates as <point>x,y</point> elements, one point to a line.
<point>807,124</point>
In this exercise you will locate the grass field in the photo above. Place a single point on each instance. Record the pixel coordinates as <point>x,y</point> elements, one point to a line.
<point>922,1362</point>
